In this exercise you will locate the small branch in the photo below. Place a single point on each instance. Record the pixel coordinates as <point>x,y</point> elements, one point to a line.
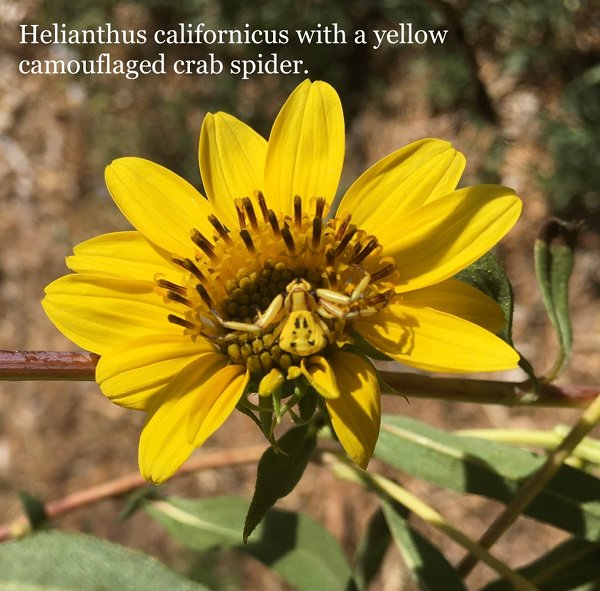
<point>47,365</point>
<point>536,483</point>
<point>126,484</point>
<point>60,365</point>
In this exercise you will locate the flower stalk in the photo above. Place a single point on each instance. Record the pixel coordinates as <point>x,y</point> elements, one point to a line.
<point>71,366</point>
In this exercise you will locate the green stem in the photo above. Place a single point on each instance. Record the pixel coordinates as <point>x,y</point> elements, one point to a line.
<point>535,484</point>
<point>430,516</point>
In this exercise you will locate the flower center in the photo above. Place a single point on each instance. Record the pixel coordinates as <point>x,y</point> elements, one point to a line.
<point>280,288</point>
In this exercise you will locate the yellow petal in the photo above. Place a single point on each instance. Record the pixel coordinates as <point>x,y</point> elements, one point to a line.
<point>406,179</point>
<point>443,237</point>
<point>214,401</point>
<point>320,376</point>
<point>356,414</point>
<point>306,147</point>
<point>232,163</point>
<point>459,299</point>
<point>429,339</point>
<point>98,313</point>
<point>125,255</point>
<point>158,203</point>
<point>131,373</point>
<point>164,445</point>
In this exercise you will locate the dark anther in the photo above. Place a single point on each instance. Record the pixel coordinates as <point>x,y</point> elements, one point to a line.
<point>317,226</point>
<point>218,226</point>
<point>249,209</point>
<point>274,223</point>
<point>288,239</point>
<point>320,207</point>
<point>346,239</point>
<point>342,229</point>
<point>380,298</point>
<point>176,297</point>
<point>263,205</point>
<point>366,251</point>
<point>181,321</point>
<point>204,295</point>
<point>330,256</point>
<point>245,236</point>
<point>204,244</point>
<point>383,272</point>
<point>239,207</point>
<point>298,211</point>
<point>165,284</point>
<point>189,265</point>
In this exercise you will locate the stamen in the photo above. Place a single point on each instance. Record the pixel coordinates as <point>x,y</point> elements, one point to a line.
<point>342,229</point>
<point>346,239</point>
<point>240,213</point>
<point>288,239</point>
<point>263,205</point>
<point>168,285</point>
<point>274,223</point>
<point>218,226</point>
<point>317,226</point>
<point>384,272</point>
<point>249,209</point>
<point>204,244</point>
<point>245,236</point>
<point>204,295</point>
<point>320,207</point>
<point>366,251</point>
<point>189,265</point>
<point>176,297</point>
<point>298,211</point>
<point>330,256</point>
<point>379,298</point>
<point>181,322</point>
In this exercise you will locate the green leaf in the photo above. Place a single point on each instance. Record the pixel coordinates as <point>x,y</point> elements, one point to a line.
<point>278,472</point>
<point>56,561</point>
<point>487,275</point>
<point>571,500</point>
<point>428,565</point>
<point>574,564</point>
<point>554,257</point>
<point>300,550</point>
<point>371,550</point>
<point>34,509</point>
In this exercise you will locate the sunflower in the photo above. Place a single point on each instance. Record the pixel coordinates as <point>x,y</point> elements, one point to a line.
<point>263,288</point>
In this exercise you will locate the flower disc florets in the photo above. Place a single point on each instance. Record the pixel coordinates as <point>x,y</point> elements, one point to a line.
<point>280,288</point>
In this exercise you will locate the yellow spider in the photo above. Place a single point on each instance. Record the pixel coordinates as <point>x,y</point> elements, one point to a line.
<point>300,314</point>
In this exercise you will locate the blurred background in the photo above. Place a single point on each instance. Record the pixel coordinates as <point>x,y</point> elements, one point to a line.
<point>515,86</point>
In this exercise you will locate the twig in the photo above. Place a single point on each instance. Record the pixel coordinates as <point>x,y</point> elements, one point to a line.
<point>58,365</point>
<point>128,483</point>
<point>536,483</point>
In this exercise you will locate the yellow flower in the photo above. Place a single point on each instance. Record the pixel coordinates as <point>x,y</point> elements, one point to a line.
<point>262,288</point>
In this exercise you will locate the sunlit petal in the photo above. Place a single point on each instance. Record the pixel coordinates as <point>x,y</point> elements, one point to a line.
<point>320,376</point>
<point>306,147</point>
<point>356,413</point>
<point>158,203</point>
<point>405,180</point>
<point>232,162</point>
<point>429,339</point>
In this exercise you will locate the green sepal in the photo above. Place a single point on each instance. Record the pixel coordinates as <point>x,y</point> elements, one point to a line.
<point>487,275</point>
<point>137,499</point>
<point>34,510</point>
<point>554,257</point>
<point>278,472</point>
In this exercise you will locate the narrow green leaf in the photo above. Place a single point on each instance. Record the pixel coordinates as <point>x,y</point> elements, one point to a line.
<point>554,257</point>
<point>371,550</point>
<point>574,564</point>
<point>300,550</point>
<point>427,564</point>
<point>278,472</point>
<point>34,509</point>
<point>56,561</point>
<point>571,500</point>
<point>487,275</point>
